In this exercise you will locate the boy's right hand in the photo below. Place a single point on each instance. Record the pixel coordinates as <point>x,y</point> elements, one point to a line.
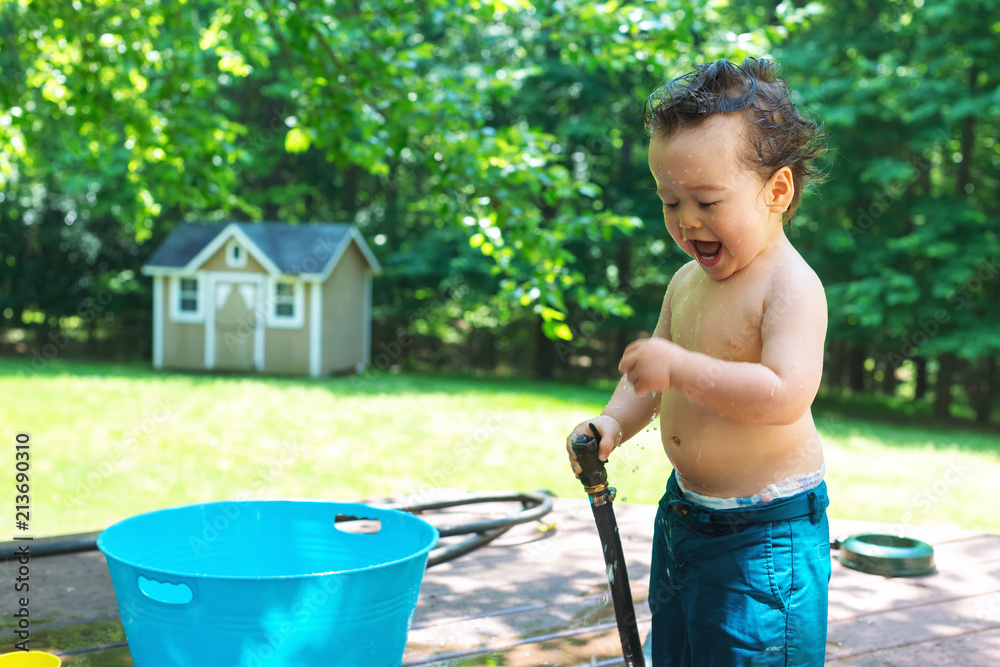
<point>611,436</point>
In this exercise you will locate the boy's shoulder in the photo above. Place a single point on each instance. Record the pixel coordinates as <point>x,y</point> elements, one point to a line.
<point>683,275</point>
<point>794,270</point>
<point>793,280</point>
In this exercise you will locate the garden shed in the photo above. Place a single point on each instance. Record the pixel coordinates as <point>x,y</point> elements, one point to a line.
<point>266,296</point>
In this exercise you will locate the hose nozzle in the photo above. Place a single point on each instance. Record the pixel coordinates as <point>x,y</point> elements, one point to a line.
<point>593,477</point>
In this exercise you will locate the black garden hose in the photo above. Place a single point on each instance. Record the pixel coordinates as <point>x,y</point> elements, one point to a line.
<point>533,506</point>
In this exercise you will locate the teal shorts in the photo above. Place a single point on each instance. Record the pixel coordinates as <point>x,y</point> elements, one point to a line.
<point>744,586</point>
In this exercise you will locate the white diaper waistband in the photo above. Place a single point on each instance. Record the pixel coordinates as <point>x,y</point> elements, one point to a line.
<point>789,486</point>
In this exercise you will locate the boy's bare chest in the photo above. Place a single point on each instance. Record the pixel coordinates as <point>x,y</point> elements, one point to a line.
<point>718,319</point>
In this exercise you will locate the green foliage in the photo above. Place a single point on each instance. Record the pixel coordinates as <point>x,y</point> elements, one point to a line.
<point>493,152</point>
<point>909,93</point>
<point>505,114</point>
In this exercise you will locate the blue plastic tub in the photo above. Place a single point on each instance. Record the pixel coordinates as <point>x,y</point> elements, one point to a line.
<point>275,583</point>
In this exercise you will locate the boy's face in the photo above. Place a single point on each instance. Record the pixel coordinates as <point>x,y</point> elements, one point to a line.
<point>715,209</point>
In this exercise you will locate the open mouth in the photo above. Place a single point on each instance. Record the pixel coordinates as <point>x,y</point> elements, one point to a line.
<point>708,252</point>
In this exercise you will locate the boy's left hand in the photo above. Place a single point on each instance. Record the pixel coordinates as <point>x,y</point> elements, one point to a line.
<point>647,363</point>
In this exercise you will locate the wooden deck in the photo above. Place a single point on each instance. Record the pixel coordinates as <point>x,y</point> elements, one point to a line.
<point>538,596</point>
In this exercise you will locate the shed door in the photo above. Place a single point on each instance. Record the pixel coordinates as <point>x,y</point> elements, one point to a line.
<point>235,325</point>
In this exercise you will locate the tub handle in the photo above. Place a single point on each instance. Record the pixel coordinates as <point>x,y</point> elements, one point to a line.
<point>357,524</point>
<point>165,592</point>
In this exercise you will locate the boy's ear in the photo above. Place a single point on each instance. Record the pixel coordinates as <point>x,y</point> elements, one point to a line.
<point>779,190</point>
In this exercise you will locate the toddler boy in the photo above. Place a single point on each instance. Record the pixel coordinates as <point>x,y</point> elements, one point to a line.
<point>741,559</point>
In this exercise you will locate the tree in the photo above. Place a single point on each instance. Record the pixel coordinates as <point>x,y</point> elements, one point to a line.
<point>439,112</point>
<point>909,93</point>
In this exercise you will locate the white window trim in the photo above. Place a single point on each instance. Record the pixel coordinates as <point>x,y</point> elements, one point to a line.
<point>298,318</point>
<point>178,315</point>
<point>315,329</point>
<point>158,322</point>
<point>233,262</point>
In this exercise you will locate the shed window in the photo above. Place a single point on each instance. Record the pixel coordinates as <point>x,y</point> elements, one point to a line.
<point>235,255</point>
<point>284,300</point>
<point>189,295</point>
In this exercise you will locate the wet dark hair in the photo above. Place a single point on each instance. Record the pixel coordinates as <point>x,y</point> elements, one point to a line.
<point>777,134</point>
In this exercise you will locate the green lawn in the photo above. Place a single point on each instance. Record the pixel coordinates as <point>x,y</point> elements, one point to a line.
<point>111,441</point>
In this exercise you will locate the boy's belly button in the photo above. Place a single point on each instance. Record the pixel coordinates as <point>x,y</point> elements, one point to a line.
<point>676,440</point>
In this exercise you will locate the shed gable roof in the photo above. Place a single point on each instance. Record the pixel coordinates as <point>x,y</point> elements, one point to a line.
<point>308,250</point>
<point>186,241</point>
